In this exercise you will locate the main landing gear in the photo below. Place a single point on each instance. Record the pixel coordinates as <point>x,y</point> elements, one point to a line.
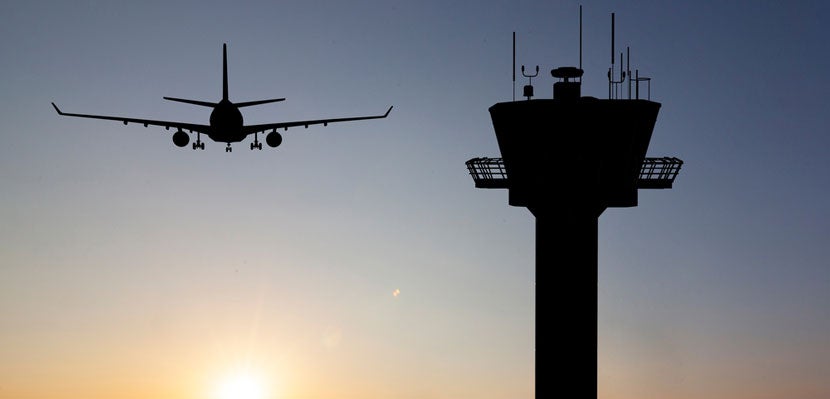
<point>198,144</point>
<point>256,144</point>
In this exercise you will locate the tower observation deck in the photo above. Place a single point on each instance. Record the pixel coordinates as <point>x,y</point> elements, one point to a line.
<point>567,159</point>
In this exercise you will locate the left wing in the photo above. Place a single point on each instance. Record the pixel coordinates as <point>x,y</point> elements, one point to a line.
<point>167,124</point>
<point>250,129</point>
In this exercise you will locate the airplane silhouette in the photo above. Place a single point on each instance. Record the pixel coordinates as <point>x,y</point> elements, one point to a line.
<point>226,124</point>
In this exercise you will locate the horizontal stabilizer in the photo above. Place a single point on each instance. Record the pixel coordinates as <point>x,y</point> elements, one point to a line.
<point>258,102</point>
<point>194,102</point>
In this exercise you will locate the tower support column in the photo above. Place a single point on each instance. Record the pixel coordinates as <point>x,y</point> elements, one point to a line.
<point>566,302</point>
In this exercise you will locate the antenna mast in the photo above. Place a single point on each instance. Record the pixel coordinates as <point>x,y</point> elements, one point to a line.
<point>514,65</point>
<point>628,68</point>
<point>614,85</point>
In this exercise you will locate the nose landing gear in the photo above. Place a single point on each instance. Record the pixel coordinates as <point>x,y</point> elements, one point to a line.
<point>228,148</point>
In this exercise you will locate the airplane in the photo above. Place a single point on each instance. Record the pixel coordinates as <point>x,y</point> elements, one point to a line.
<point>226,123</point>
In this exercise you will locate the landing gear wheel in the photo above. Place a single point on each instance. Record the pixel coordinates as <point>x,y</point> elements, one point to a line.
<point>202,146</point>
<point>228,148</point>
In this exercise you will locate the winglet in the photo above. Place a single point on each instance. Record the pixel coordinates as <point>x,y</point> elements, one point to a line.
<point>56,109</point>
<point>224,71</point>
<point>388,111</point>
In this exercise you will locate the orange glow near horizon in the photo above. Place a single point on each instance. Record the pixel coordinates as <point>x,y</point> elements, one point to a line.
<point>241,384</point>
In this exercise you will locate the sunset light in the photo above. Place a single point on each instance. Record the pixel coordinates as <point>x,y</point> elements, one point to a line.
<point>241,385</point>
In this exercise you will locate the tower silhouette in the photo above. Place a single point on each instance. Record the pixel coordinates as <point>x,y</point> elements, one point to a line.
<point>566,160</point>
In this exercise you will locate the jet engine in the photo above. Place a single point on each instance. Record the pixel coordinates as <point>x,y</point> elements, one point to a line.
<point>180,138</point>
<point>273,139</point>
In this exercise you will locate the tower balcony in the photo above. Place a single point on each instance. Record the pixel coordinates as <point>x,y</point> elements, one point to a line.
<point>655,173</point>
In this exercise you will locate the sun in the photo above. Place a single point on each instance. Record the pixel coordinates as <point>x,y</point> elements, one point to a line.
<point>241,385</point>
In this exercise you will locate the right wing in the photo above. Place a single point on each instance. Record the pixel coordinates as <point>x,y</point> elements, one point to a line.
<point>251,129</point>
<point>192,127</point>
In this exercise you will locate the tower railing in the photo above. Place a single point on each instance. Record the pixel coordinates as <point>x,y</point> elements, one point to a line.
<point>658,172</point>
<point>488,172</point>
<point>655,173</point>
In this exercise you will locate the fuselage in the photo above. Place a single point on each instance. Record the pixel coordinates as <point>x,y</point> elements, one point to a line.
<point>226,123</point>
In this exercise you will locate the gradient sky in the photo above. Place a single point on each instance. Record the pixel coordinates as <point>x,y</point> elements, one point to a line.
<point>130,268</point>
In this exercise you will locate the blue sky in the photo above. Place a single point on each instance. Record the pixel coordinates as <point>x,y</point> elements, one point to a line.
<point>153,267</point>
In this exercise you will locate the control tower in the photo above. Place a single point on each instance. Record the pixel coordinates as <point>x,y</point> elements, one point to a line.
<point>566,159</point>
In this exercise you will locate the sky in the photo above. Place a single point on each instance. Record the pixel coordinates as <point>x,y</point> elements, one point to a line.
<point>358,260</point>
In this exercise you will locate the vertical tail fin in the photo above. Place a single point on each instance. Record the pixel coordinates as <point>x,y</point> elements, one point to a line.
<point>224,71</point>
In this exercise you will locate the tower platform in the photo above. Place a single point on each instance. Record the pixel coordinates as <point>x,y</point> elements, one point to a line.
<point>654,173</point>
